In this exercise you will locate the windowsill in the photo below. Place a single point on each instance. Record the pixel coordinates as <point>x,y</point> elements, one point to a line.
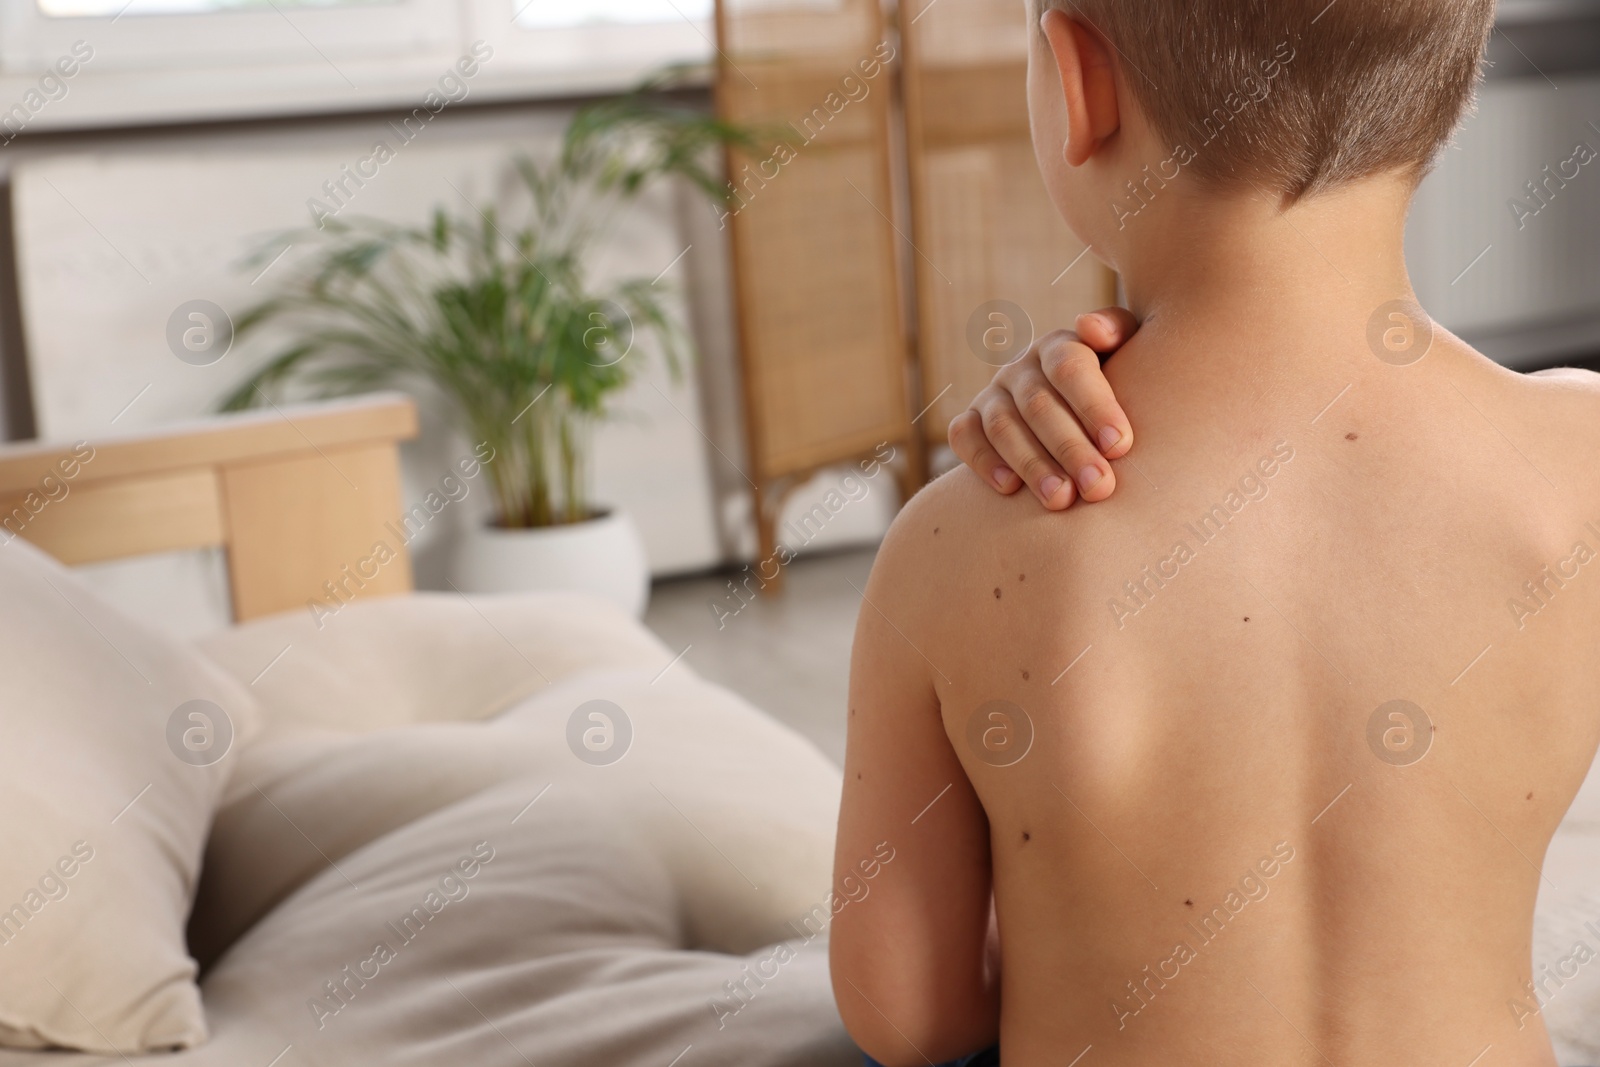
<point>115,99</point>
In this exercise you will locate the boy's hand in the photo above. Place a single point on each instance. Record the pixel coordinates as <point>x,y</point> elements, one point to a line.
<point>1050,412</point>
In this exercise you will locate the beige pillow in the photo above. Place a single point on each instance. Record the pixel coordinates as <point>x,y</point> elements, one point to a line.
<point>740,808</point>
<point>425,657</point>
<point>512,935</point>
<point>115,750</point>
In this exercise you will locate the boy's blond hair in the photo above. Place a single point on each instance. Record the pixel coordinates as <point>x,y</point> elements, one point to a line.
<point>1297,96</point>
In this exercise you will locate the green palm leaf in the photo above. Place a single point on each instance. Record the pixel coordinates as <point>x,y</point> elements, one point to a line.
<point>495,310</point>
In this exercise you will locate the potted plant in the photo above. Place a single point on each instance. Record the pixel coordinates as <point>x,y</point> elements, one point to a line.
<point>496,311</point>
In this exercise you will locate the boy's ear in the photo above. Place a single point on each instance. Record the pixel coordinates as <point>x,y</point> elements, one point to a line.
<point>1088,83</point>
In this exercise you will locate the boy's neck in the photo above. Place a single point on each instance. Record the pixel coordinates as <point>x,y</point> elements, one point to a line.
<point>1194,254</point>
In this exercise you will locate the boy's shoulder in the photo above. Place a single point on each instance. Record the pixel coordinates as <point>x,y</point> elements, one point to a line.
<point>934,538</point>
<point>1580,386</point>
<point>934,579</point>
<point>954,493</point>
<point>1562,406</point>
<point>954,511</point>
<point>950,541</point>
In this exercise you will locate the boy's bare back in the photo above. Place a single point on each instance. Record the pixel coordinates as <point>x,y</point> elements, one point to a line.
<point>1255,762</point>
<point>1266,750</point>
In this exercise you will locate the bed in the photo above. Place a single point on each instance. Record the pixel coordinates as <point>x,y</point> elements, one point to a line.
<point>665,907</point>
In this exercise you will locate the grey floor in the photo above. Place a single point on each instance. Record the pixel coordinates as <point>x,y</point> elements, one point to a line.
<point>788,655</point>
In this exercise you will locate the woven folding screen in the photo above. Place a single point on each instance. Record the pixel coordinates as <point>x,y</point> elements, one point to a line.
<point>823,344</point>
<point>983,224</point>
<point>819,224</point>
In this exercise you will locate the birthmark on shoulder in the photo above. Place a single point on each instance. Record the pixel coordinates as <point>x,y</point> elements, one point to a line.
<point>1188,903</point>
<point>1530,796</point>
<point>1247,618</point>
<point>1026,837</point>
<point>1025,676</point>
<point>1022,577</point>
<point>997,593</point>
<point>936,531</point>
<point>1350,437</point>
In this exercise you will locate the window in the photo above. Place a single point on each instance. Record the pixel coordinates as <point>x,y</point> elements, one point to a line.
<point>551,14</point>
<point>146,35</point>
<point>598,45</point>
<point>116,8</point>
<point>165,60</point>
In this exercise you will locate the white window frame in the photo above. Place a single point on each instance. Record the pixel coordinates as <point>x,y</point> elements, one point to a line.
<point>217,66</point>
<point>598,57</point>
<point>30,41</point>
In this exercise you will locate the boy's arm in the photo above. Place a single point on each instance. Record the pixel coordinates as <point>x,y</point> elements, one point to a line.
<point>914,967</point>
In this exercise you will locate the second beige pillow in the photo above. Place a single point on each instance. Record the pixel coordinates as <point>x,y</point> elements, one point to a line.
<point>117,745</point>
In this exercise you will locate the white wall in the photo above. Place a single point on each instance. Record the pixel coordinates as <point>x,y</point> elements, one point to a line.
<point>181,205</point>
<point>1534,269</point>
<point>110,243</point>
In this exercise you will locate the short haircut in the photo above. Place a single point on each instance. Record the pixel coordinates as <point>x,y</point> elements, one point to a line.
<point>1297,96</point>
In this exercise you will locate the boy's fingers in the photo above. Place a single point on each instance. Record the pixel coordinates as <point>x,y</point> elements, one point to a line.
<point>1058,430</point>
<point>1108,329</point>
<point>972,447</point>
<point>1009,435</point>
<point>1074,370</point>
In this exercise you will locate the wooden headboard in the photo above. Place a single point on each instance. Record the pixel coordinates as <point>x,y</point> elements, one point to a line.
<point>298,497</point>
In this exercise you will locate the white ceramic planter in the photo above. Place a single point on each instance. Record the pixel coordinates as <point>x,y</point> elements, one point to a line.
<point>603,556</point>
